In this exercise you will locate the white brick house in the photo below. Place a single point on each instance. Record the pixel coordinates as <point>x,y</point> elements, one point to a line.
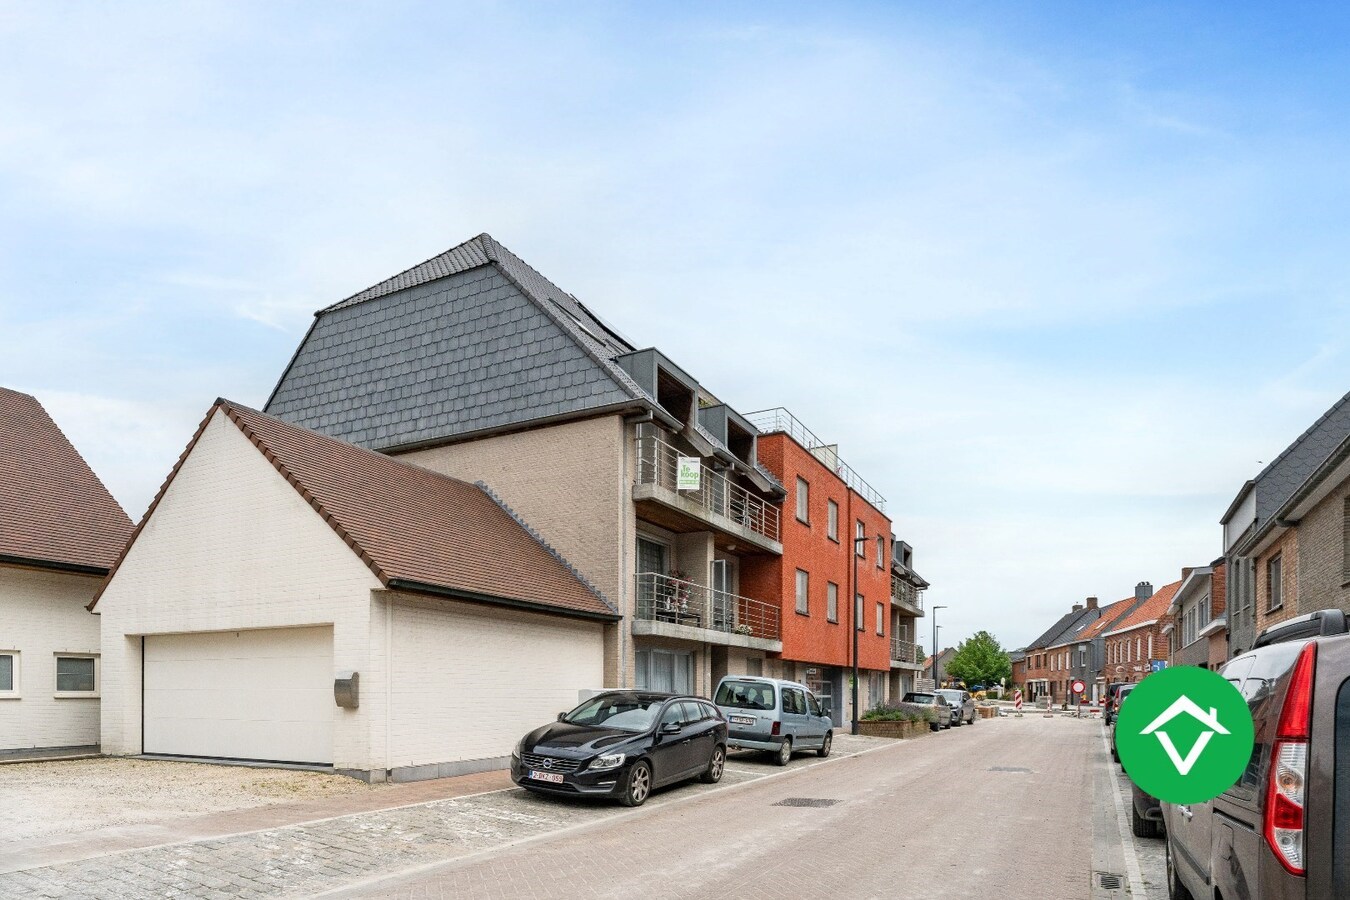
<point>275,562</point>
<point>60,530</point>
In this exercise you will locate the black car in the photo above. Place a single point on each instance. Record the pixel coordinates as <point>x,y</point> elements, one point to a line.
<point>623,744</point>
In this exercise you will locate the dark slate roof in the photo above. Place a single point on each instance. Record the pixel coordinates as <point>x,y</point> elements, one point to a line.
<point>54,511</point>
<point>1288,471</point>
<point>1065,628</point>
<point>416,529</point>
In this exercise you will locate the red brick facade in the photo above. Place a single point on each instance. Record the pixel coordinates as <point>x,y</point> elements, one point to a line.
<point>1133,643</point>
<point>812,637</point>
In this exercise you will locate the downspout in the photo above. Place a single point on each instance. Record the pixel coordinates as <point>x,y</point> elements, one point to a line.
<point>388,686</point>
<point>629,510</point>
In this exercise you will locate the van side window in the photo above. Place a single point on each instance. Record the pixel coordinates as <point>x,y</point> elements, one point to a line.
<point>813,704</point>
<point>793,702</point>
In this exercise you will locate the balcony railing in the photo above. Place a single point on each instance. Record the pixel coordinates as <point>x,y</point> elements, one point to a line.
<point>905,652</point>
<point>906,592</point>
<point>780,419</point>
<point>658,464</point>
<point>661,598</point>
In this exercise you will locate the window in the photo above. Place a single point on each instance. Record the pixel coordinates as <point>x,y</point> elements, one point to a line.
<point>8,681</point>
<point>75,675</point>
<point>664,670</point>
<point>794,702</point>
<point>1345,540</point>
<point>1138,648</point>
<point>803,588</point>
<point>1274,585</point>
<point>858,611</point>
<point>881,618</point>
<point>832,602</point>
<point>881,553</point>
<point>803,501</point>
<point>832,523</point>
<point>860,533</point>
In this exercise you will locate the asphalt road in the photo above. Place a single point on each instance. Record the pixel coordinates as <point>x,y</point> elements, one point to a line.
<point>1005,808</point>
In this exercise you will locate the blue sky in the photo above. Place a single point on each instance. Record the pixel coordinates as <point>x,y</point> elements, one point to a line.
<point>1056,278</point>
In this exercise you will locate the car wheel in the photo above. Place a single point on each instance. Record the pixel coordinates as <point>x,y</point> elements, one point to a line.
<point>1175,889</point>
<point>827,746</point>
<point>1142,827</point>
<point>958,723</point>
<point>639,785</point>
<point>716,765</point>
<point>1115,754</point>
<point>784,754</point>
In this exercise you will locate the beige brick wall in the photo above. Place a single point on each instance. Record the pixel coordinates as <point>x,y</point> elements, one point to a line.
<point>1287,547</point>
<point>572,482</point>
<point>1322,581</point>
<point>233,546</point>
<point>42,614</point>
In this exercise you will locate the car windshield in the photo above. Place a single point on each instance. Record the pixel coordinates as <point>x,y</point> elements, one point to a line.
<point>926,699</point>
<point>626,712</point>
<point>745,695</point>
<point>952,696</point>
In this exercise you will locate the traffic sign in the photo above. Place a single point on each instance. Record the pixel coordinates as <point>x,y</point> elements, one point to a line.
<point>1078,687</point>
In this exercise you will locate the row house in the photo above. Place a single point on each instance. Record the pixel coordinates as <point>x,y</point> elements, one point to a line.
<point>1080,656</point>
<point>1048,658</point>
<point>1197,627</point>
<point>1286,534</point>
<point>689,518</point>
<point>1136,645</point>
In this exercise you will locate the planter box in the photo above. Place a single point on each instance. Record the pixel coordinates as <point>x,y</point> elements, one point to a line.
<point>903,730</point>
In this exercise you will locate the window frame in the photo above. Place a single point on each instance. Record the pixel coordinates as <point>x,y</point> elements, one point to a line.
<point>832,602</point>
<point>803,592</point>
<point>859,618</point>
<point>803,501</point>
<point>60,694</point>
<point>881,552</point>
<point>832,521</point>
<point>859,536</point>
<point>1275,582</point>
<point>881,619</point>
<point>15,690</point>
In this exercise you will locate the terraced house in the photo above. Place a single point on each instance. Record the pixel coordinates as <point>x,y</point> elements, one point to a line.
<point>474,365</point>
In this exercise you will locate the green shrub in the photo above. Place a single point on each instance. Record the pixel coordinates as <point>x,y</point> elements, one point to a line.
<point>900,712</point>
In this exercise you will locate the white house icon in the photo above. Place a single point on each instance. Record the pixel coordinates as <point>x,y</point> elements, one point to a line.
<point>1181,705</point>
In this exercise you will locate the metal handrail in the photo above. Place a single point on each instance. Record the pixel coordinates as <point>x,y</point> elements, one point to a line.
<point>657,463</point>
<point>661,598</point>
<point>905,651</point>
<point>780,419</point>
<point>906,592</point>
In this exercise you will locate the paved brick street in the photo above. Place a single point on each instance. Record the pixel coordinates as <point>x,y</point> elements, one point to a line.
<point>1008,803</point>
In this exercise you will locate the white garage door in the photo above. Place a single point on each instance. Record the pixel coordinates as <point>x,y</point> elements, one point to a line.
<point>264,695</point>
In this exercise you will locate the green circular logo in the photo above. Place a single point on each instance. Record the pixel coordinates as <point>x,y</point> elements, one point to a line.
<point>1184,735</point>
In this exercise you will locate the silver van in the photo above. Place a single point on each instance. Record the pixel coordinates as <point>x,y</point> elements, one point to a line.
<point>779,717</point>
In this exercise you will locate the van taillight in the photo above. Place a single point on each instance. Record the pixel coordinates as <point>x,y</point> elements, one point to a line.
<point>773,732</point>
<point>1287,779</point>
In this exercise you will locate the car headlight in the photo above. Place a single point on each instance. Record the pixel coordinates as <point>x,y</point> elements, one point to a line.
<point>519,748</point>
<point>608,761</point>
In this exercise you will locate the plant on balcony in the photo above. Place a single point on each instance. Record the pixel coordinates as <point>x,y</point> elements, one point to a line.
<point>679,591</point>
<point>744,629</point>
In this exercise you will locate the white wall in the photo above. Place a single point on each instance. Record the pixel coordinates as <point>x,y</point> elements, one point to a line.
<point>42,614</point>
<point>232,545</point>
<point>469,680</point>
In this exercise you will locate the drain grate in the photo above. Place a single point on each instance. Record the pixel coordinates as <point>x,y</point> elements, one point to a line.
<point>1109,881</point>
<point>1009,769</point>
<point>812,802</point>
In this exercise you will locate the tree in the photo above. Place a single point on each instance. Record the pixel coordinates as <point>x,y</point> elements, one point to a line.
<point>979,660</point>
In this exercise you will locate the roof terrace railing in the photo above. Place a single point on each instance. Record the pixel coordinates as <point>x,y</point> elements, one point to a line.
<point>780,419</point>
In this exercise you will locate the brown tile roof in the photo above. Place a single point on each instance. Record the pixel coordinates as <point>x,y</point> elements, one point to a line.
<point>1150,610</point>
<point>54,512</point>
<point>1110,613</point>
<point>417,529</point>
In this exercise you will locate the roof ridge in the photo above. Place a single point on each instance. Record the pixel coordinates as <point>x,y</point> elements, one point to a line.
<point>539,539</point>
<point>1335,407</point>
<point>478,238</point>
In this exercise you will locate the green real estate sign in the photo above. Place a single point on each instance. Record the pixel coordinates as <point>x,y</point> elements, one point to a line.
<point>688,473</point>
<point>1184,734</point>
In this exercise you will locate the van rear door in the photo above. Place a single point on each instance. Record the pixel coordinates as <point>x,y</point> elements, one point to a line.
<point>751,709</point>
<point>1328,810</point>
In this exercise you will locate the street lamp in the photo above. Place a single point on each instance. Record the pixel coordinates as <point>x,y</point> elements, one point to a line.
<point>935,646</point>
<point>859,546</point>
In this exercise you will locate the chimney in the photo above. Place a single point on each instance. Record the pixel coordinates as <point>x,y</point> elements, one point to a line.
<point>1092,603</point>
<point>1077,607</point>
<point>1143,590</point>
<point>1186,572</point>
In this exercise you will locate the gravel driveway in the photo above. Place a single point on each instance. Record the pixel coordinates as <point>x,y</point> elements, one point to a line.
<point>49,798</point>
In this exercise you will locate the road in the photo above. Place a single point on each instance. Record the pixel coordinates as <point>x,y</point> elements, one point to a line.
<point>1005,807</point>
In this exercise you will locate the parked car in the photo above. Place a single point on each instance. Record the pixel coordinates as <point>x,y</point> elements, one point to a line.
<point>779,717</point>
<point>1121,693</point>
<point>962,704</point>
<point>1146,818</point>
<point>1109,702</point>
<point>944,712</point>
<point>623,744</point>
<point>1282,831</point>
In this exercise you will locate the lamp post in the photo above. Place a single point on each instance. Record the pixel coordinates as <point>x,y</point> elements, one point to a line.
<point>859,543</point>
<point>935,646</point>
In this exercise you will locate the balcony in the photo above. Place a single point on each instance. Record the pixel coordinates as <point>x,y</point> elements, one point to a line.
<point>906,596</point>
<point>780,419</point>
<point>905,654</point>
<point>719,504</point>
<point>669,607</point>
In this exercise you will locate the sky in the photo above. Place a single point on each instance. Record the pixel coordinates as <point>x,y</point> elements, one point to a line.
<point>1058,278</point>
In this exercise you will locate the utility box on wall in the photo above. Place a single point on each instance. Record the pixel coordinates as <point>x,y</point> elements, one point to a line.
<point>347,689</point>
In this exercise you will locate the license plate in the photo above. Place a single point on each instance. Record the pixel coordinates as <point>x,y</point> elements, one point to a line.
<point>553,777</point>
<point>742,720</point>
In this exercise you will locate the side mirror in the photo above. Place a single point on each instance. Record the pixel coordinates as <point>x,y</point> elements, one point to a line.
<point>670,728</point>
<point>561,716</point>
